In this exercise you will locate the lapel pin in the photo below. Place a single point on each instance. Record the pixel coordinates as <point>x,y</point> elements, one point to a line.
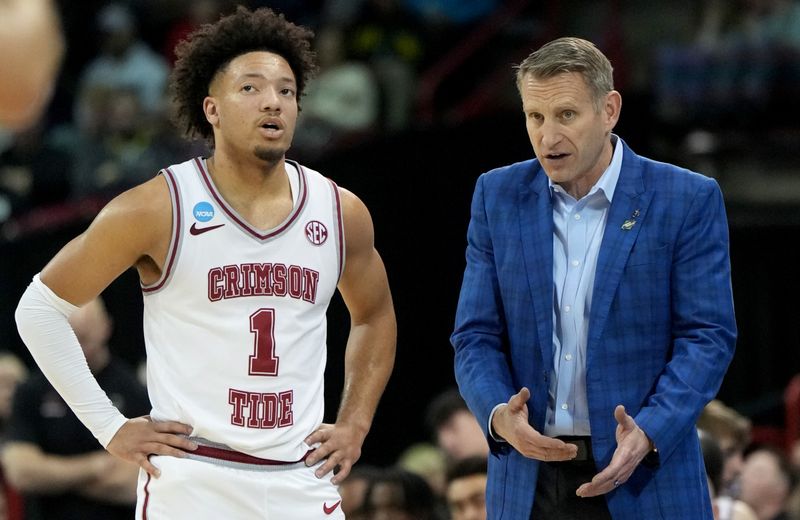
<point>629,223</point>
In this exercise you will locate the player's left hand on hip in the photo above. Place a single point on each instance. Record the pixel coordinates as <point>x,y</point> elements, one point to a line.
<point>632,446</point>
<point>339,445</point>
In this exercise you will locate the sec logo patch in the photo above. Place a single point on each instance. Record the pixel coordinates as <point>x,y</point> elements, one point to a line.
<point>316,232</point>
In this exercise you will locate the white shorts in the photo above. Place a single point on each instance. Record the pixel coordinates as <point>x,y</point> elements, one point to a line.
<point>214,490</point>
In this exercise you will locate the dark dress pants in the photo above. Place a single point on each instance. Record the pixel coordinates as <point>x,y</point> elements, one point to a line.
<point>555,497</point>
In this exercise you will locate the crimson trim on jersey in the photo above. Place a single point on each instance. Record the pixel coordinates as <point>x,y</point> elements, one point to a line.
<point>146,497</point>
<point>237,456</point>
<point>339,226</point>
<point>176,232</point>
<point>301,201</point>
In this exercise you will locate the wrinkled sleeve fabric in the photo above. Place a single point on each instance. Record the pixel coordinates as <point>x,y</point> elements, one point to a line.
<point>703,323</point>
<point>479,337</point>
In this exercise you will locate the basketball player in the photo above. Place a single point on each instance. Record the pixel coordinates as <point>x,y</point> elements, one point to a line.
<point>238,256</point>
<point>31,49</point>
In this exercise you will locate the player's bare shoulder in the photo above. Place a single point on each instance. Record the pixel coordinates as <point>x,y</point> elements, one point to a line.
<point>131,230</point>
<point>144,215</point>
<point>141,212</point>
<point>358,228</point>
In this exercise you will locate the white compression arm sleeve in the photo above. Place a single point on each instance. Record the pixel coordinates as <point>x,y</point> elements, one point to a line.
<point>42,323</point>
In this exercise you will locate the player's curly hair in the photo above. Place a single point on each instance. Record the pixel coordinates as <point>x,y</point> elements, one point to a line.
<point>210,48</point>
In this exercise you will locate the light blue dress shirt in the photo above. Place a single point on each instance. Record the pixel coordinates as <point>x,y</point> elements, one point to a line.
<point>577,234</point>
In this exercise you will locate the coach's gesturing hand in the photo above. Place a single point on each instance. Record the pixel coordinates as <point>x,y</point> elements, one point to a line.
<point>511,423</point>
<point>632,446</point>
<point>340,444</point>
<point>141,437</point>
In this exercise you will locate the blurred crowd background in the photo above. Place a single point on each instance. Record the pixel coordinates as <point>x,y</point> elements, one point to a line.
<point>414,100</point>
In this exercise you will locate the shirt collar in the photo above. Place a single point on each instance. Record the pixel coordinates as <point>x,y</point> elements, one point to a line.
<point>607,182</point>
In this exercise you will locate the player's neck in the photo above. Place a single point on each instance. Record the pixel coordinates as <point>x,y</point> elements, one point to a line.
<point>251,177</point>
<point>262,196</point>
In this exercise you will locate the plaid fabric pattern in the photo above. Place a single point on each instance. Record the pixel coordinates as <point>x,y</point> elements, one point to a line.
<point>661,327</point>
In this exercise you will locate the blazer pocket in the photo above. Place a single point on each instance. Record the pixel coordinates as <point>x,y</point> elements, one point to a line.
<point>648,254</point>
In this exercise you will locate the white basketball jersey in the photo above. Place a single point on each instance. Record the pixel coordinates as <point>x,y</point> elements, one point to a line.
<point>235,329</point>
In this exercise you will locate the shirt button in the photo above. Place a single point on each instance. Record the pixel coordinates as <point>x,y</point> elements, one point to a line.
<point>567,308</point>
<point>564,406</point>
<point>568,357</point>
<point>576,263</point>
<point>577,216</point>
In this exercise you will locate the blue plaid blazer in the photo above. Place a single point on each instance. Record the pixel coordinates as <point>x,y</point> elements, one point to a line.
<point>661,327</point>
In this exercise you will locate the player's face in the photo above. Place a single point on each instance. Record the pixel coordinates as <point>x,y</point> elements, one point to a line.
<point>569,135</point>
<point>252,106</point>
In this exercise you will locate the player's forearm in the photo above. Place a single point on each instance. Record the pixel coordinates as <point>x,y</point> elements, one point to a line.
<point>369,360</point>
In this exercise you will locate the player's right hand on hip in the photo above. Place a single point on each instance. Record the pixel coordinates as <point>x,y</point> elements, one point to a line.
<point>141,437</point>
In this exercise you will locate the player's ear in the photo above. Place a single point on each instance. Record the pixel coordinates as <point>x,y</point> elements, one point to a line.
<point>210,110</point>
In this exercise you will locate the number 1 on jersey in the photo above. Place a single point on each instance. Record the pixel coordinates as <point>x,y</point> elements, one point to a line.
<point>263,362</point>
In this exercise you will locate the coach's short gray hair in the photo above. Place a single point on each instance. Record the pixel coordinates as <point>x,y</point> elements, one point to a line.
<point>566,55</point>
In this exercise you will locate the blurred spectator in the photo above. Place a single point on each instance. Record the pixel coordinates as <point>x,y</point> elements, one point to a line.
<point>386,37</point>
<point>198,12</point>
<point>303,12</point>
<point>731,431</point>
<point>341,104</point>
<point>52,458</point>
<point>117,148</point>
<point>124,62</point>
<point>767,481</point>
<point>466,489</point>
<point>427,461</point>
<point>12,373</point>
<point>725,507</point>
<point>397,494</point>
<point>33,172</point>
<point>445,23</point>
<point>353,489</point>
<point>456,430</point>
<point>744,60</point>
<point>452,12</point>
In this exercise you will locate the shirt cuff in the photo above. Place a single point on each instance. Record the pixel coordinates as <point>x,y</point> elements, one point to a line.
<point>491,431</point>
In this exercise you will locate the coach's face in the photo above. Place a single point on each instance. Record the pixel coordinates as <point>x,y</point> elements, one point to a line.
<point>252,106</point>
<point>568,131</point>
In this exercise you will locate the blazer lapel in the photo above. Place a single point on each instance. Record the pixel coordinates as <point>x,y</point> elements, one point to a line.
<point>536,236</point>
<point>625,216</point>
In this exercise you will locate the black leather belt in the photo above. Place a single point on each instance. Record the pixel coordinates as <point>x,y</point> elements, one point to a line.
<point>584,444</point>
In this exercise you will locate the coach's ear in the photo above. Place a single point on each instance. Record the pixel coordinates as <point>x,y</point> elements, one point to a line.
<point>210,110</point>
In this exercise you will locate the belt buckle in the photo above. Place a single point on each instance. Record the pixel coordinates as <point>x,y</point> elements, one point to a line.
<point>583,450</point>
<point>583,445</point>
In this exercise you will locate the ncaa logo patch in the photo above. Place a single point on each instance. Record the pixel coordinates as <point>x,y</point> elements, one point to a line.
<point>203,211</point>
<point>316,232</point>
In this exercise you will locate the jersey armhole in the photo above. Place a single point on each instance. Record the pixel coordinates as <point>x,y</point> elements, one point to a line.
<point>339,220</point>
<point>172,251</point>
